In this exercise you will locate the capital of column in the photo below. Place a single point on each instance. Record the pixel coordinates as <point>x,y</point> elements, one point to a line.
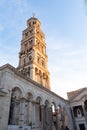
<point>33,102</point>
<point>42,105</point>
<point>22,99</point>
<point>32,67</point>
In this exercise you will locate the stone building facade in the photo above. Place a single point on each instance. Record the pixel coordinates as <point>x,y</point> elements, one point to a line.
<point>27,105</point>
<point>78,104</point>
<point>26,100</point>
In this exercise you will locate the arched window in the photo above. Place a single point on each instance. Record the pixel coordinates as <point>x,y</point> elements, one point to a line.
<point>53,107</point>
<point>29,71</point>
<point>54,114</point>
<point>79,113</point>
<point>26,34</point>
<point>29,24</point>
<point>24,61</point>
<point>46,103</point>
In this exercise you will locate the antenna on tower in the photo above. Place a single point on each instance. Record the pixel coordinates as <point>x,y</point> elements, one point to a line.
<point>33,15</point>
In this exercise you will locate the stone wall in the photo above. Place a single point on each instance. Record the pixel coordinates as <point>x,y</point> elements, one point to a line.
<point>12,80</point>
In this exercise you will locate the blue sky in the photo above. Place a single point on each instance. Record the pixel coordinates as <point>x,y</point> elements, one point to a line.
<point>64,23</point>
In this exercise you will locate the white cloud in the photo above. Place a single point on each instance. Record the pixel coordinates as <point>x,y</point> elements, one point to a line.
<point>67,82</point>
<point>57,43</point>
<point>68,65</point>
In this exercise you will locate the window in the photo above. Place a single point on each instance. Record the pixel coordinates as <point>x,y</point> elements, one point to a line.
<point>40,113</point>
<point>31,31</point>
<point>82,126</point>
<point>30,24</point>
<point>30,42</point>
<point>38,58</point>
<point>79,113</point>
<point>43,64</point>
<point>34,22</point>
<point>29,71</point>
<point>30,58</point>
<point>24,61</point>
<point>26,34</point>
<point>30,49</point>
<point>26,45</point>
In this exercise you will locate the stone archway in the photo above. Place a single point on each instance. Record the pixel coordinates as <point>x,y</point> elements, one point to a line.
<point>15,106</point>
<point>38,112</point>
<point>28,108</point>
<point>54,116</point>
<point>48,116</point>
<point>61,116</point>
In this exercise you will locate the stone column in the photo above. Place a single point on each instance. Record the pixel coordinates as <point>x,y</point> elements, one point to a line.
<point>33,115</point>
<point>57,120</point>
<point>21,116</point>
<point>43,117</point>
<point>49,118</point>
<point>32,73</point>
<point>73,119</point>
<point>63,119</point>
<point>30,112</point>
<point>85,113</point>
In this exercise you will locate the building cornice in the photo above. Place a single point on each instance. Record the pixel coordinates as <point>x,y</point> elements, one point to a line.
<point>10,67</point>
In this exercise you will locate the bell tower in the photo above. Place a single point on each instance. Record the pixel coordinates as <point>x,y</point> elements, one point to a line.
<point>32,56</point>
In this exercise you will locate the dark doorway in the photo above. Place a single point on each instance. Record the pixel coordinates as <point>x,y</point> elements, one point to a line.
<point>82,127</point>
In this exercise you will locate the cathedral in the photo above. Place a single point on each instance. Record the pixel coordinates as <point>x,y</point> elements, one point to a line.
<point>26,99</point>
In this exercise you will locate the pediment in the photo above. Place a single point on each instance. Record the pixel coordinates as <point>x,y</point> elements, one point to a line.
<point>77,95</point>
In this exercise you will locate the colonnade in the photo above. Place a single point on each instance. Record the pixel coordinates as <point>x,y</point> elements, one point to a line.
<point>34,114</point>
<point>40,118</point>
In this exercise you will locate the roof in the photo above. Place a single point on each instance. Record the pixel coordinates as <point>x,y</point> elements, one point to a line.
<point>33,18</point>
<point>75,93</point>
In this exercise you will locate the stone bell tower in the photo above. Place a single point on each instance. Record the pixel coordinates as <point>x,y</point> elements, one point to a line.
<point>32,56</point>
